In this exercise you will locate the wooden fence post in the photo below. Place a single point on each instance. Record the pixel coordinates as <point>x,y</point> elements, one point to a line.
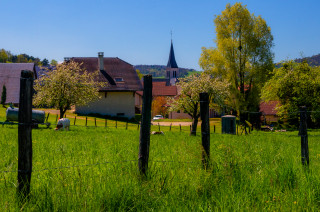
<point>159,126</point>
<point>144,142</point>
<point>105,123</point>
<point>57,118</point>
<point>138,125</point>
<point>116,123</point>
<point>304,136</point>
<point>214,128</point>
<point>170,126</point>
<point>205,128</point>
<point>25,134</point>
<point>180,127</point>
<point>47,117</point>
<point>95,121</point>
<point>75,118</point>
<point>86,120</point>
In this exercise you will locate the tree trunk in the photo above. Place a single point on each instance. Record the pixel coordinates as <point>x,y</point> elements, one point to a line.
<point>194,126</point>
<point>61,113</point>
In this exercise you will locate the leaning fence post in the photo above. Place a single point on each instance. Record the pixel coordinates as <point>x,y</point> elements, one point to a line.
<point>304,136</point>
<point>205,128</point>
<point>144,142</point>
<point>47,117</point>
<point>25,134</point>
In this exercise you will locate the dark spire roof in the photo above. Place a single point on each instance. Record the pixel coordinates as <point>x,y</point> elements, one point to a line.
<point>172,61</point>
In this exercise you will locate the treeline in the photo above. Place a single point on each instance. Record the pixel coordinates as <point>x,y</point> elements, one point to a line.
<point>7,57</point>
<point>160,70</point>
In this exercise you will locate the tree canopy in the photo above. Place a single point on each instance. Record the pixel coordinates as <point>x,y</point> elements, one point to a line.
<point>66,86</point>
<point>242,55</point>
<point>295,85</point>
<point>189,100</point>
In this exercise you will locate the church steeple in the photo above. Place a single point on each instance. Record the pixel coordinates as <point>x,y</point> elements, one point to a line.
<point>172,67</point>
<point>172,60</point>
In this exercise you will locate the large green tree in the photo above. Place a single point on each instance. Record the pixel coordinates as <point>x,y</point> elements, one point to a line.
<point>295,85</point>
<point>66,86</point>
<point>242,55</point>
<point>188,100</point>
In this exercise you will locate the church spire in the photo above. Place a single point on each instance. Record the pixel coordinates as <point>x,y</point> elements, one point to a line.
<point>172,61</point>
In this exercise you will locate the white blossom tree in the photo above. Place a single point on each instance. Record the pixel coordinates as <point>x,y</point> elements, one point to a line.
<point>189,101</point>
<point>66,86</point>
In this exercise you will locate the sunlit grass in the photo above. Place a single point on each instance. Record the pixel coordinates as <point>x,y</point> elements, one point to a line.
<point>96,169</point>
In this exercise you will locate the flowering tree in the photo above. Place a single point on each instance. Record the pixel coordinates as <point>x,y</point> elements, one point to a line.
<point>189,100</point>
<point>66,86</point>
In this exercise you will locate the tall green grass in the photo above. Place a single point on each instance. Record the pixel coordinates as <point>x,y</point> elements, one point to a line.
<point>95,169</point>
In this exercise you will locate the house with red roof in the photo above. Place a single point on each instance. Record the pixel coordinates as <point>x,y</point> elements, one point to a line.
<point>269,111</point>
<point>117,98</point>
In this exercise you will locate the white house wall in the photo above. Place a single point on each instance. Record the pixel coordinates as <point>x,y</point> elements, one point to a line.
<point>112,104</point>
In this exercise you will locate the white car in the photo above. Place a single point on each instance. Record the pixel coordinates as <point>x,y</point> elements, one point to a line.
<point>156,117</point>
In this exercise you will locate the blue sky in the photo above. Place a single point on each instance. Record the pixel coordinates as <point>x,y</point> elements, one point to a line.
<point>138,31</point>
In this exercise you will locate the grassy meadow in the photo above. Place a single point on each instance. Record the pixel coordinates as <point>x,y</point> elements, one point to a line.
<point>95,169</point>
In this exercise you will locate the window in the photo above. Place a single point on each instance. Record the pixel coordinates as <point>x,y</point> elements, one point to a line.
<point>118,79</point>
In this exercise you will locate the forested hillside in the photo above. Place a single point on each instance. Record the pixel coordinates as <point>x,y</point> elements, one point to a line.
<point>160,70</point>
<point>312,61</point>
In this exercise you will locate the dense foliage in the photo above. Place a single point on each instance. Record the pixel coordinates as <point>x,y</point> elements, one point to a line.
<point>189,101</point>
<point>159,106</point>
<point>243,55</point>
<point>66,86</point>
<point>295,85</point>
<point>8,57</point>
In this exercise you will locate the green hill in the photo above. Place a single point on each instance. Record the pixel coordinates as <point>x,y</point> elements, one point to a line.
<point>160,70</point>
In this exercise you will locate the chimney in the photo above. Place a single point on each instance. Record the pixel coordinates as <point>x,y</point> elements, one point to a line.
<point>100,58</point>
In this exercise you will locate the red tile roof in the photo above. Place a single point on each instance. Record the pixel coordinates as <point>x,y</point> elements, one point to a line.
<point>269,108</point>
<point>160,89</point>
<point>114,68</point>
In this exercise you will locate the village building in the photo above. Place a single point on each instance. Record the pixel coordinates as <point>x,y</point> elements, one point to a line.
<point>10,74</point>
<point>269,112</point>
<point>118,96</point>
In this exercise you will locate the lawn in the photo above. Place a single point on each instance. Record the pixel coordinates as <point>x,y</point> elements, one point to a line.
<point>95,169</point>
